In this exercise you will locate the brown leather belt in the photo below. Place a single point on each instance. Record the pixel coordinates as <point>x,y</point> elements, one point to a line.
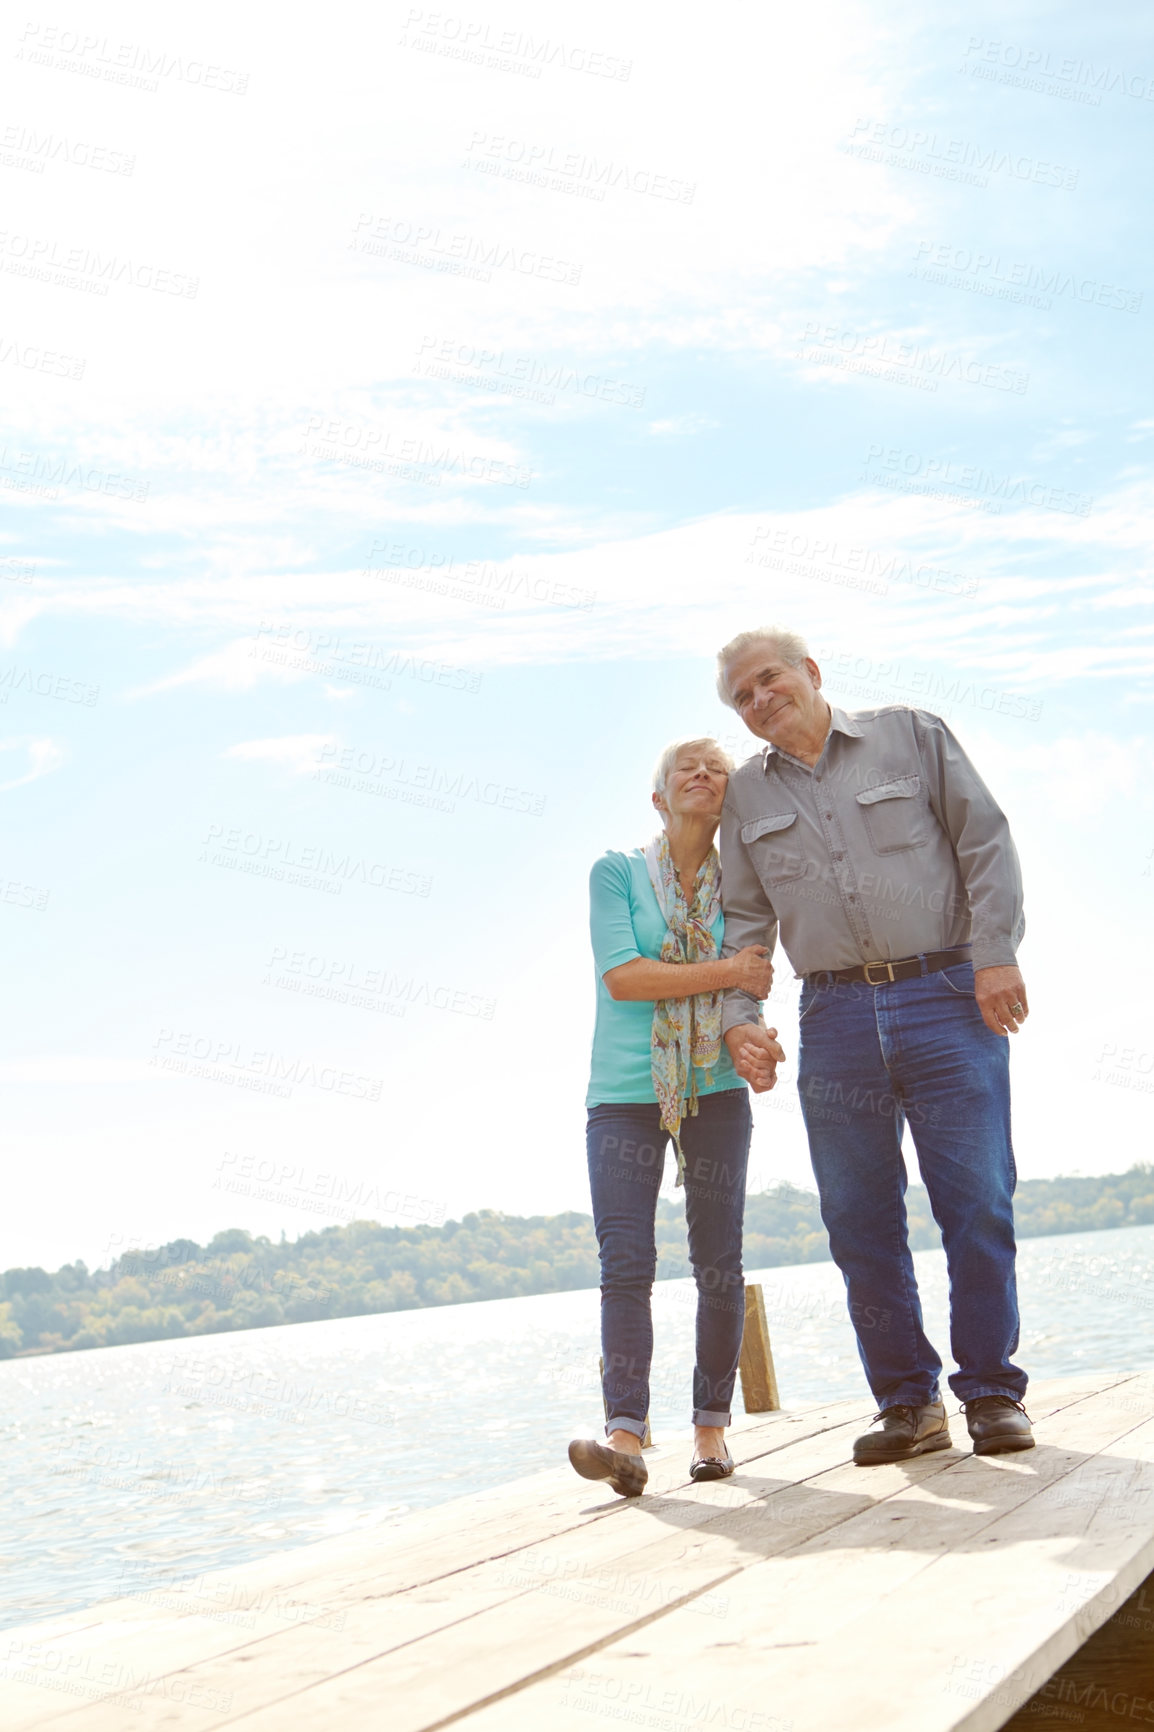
<point>881,973</point>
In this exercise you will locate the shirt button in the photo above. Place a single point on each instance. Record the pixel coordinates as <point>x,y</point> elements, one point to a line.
<point>829,814</point>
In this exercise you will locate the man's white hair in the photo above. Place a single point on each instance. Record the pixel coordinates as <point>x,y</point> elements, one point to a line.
<point>786,644</point>
<point>673,751</point>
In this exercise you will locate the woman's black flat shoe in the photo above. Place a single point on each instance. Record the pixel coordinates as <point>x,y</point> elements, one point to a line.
<point>627,1474</point>
<point>711,1467</point>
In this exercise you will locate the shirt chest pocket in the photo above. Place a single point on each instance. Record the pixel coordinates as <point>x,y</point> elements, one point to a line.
<point>774,847</point>
<point>895,816</point>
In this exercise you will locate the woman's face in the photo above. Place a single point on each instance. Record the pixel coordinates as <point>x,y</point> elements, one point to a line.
<point>696,784</point>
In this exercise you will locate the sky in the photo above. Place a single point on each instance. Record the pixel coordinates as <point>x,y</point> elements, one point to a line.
<point>398,414</point>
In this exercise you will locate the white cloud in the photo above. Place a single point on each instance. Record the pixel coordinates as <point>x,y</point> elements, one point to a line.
<point>239,666</point>
<point>296,752</point>
<point>44,756</point>
<point>682,426</point>
<point>906,572</point>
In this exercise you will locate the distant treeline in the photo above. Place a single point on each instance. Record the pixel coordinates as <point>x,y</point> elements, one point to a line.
<point>240,1282</point>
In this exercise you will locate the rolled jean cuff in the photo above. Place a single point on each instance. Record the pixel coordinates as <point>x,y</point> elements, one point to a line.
<point>636,1426</point>
<point>1016,1393</point>
<point>701,1417</point>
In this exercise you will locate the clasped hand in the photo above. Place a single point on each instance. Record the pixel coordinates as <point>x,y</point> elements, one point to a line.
<point>756,1054</point>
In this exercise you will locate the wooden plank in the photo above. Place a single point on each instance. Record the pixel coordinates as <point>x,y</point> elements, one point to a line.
<point>758,1377</point>
<point>867,1628</point>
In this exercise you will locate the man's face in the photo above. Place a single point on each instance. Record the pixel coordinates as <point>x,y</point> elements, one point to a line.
<point>777,702</point>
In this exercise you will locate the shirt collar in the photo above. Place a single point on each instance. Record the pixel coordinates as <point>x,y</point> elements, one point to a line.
<point>839,723</point>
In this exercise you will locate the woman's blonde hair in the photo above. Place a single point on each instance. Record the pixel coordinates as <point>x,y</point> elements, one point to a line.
<point>671,753</point>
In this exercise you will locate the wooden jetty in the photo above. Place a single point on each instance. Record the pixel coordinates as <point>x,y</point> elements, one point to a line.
<point>802,1595</point>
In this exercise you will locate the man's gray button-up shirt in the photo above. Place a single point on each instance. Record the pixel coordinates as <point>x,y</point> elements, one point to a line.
<point>891,846</point>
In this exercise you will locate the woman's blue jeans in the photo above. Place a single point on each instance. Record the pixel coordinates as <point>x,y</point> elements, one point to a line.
<point>873,1059</point>
<point>627,1148</point>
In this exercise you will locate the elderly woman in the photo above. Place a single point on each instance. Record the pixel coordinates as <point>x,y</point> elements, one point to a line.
<point>661,1070</point>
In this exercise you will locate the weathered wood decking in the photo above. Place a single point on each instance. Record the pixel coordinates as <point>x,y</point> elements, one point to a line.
<point>804,1593</point>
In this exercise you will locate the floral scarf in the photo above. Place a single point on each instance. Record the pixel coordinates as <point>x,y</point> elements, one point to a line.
<point>686,1035</point>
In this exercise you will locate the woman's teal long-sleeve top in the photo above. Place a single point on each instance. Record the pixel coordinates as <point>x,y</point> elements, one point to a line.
<point>625,921</point>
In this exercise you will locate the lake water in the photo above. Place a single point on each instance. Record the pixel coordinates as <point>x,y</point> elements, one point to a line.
<point>127,1469</point>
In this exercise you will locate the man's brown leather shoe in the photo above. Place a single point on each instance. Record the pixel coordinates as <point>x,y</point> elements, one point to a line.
<point>905,1432</point>
<point>998,1424</point>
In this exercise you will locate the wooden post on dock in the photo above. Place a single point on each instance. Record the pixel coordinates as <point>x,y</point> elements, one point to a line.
<point>758,1378</point>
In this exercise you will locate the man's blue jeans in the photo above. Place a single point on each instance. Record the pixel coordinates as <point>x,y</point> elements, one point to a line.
<point>627,1148</point>
<point>916,1052</point>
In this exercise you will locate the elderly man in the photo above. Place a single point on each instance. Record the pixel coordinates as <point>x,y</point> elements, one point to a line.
<point>872,843</point>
